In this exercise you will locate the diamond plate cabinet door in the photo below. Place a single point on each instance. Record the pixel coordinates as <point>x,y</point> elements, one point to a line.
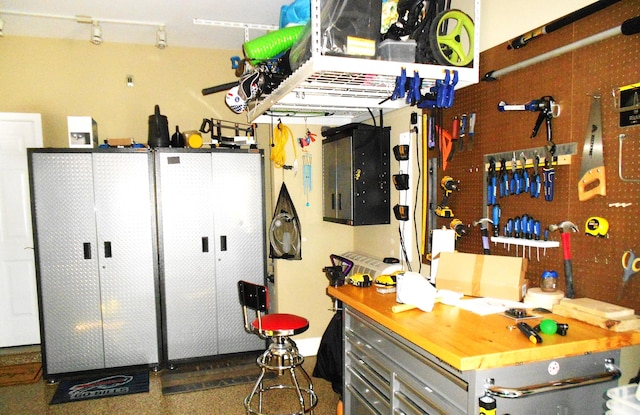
<point>94,231</point>
<point>211,235</point>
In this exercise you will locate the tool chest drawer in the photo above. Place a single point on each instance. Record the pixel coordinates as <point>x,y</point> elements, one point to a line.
<point>358,384</point>
<point>413,396</point>
<point>417,380</point>
<point>366,361</point>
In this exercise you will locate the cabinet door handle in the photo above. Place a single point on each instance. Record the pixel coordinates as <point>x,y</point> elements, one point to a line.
<point>87,250</point>
<point>107,249</point>
<point>205,244</point>
<point>339,201</point>
<point>223,242</point>
<point>333,201</point>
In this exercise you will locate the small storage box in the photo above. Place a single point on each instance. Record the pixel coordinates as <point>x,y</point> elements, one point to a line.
<point>622,400</point>
<point>397,50</point>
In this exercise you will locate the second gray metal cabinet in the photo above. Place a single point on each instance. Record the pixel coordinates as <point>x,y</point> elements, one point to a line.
<point>95,245</point>
<point>211,230</point>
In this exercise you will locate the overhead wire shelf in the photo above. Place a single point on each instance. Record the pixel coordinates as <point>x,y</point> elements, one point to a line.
<point>348,88</point>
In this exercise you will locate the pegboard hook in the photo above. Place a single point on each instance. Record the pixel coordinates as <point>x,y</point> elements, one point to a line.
<point>621,138</point>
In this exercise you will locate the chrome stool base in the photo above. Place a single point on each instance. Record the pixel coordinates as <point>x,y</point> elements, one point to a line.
<point>282,356</point>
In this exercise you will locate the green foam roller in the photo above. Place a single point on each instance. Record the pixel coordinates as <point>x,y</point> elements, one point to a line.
<point>272,44</point>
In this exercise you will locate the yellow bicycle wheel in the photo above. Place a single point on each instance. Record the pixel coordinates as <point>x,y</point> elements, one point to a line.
<point>451,38</point>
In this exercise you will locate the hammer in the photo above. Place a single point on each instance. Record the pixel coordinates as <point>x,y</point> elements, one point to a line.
<point>484,231</point>
<point>565,228</point>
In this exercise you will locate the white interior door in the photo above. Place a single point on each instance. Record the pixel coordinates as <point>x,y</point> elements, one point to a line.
<point>19,322</point>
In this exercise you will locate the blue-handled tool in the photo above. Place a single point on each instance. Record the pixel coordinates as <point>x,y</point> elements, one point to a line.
<point>508,231</point>
<point>400,87</point>
<point>509,228</point>
<point>529,231</point>
<point>526,180</point>
<point>523,225</point>
<point>504,179</point>
<point>536,182</point>
<point>631,266</point>
<point>491,182</point>
<point>515,186</point>
<point>413,96</point>
<point>495,216</point>
<point>447,89</point>
<point>548,174</point>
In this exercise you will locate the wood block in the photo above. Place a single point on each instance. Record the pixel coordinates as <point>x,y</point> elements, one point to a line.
<point>120,142</point>
<point>624,323</point>
<point>598,308</point>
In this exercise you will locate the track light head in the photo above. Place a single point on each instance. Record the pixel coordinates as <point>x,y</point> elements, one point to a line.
<point>161,38</point>
<point>96,33</point>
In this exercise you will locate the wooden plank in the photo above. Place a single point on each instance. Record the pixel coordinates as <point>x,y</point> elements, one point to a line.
<point>598,308</point>
<point>620,324</point>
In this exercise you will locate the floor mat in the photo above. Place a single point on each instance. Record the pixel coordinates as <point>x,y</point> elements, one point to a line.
<point>228,371</point>
<point>100,386</point>
<point>20,374</point>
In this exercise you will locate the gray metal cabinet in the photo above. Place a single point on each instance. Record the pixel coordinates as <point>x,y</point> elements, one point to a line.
<point>386,374</point>
<point>355,174</point>
<point>211,235</point>
<point>95,247</point>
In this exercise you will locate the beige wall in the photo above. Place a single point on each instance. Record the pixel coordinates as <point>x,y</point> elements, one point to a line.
<point>58,78</point>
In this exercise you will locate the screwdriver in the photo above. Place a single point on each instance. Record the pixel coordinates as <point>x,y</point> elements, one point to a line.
<point>529,333</point>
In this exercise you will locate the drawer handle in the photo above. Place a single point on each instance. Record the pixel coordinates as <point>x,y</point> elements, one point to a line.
<point>612,373</point>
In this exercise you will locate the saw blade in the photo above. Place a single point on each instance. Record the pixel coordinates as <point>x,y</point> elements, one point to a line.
<point>592,149</point>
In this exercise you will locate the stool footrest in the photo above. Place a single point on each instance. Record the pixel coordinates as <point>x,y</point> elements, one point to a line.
<point>310,394</point>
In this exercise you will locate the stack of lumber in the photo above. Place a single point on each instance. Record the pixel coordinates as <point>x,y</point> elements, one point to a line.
<point>598,313</point>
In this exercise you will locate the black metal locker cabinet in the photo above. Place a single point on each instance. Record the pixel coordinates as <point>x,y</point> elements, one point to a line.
<point>355,174</point>
<point>211,234</point>
<point>94,233</point>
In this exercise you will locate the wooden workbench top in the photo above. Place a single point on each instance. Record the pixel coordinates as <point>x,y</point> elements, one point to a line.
<point>468,341</point>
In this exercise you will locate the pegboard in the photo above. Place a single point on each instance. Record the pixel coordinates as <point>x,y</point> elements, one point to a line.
<point>571,79</point>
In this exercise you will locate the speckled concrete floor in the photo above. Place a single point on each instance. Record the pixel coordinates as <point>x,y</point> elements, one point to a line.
<point>34,399</point>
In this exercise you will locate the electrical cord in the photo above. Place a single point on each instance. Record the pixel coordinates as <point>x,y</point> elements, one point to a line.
<point>415,203</point>
<point>281,135</point>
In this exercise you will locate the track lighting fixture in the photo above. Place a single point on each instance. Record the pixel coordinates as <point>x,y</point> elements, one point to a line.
<point>161,38</point>
<point>96,33</point>
<point>96,29</point>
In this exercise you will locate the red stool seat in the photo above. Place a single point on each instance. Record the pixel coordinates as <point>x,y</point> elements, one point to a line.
<point>279,324</point>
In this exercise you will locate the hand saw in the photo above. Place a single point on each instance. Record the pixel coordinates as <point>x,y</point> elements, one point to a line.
<point>592,172</point>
